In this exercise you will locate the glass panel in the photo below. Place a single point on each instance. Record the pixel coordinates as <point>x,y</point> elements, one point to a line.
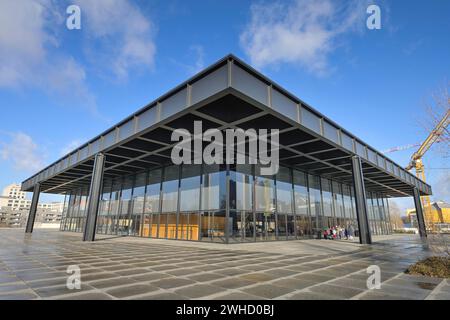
<point>213,226</point>
<point>315,201</point>
<point>290,226</point>
<point>171,228</point>
<point>300,193</point>
<point>249,227</point>
<point>138,204</point>
<point>104,208</point>
<point>236,225</point>
<point>123,223</point>
<point>115,196</point>
<point>303,226</point>
<point>327,203</point>
<point>214,188</point>
<point>265,226</point>
<point>241,187</point>
<point>170,189</point>
<point>284,191</point>
<point>337,200</point>
<point>348,205</point>
<point>265,194</point>
<point>282,226</point>
<point>190,188</point>
<point>151,210</point>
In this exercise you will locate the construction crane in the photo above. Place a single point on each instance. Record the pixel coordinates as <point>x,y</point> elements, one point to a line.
<point>406,147</point>
<point>416,161</point>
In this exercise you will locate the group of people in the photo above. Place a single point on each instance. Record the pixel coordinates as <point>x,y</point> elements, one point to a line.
<point>339,233</point>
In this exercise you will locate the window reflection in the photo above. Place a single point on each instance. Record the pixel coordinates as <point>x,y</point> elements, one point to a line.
<point>170,189</point>
<point>284,191</point>
<point>151,207</point>
<point>214,188</point>
<point>189,203</point>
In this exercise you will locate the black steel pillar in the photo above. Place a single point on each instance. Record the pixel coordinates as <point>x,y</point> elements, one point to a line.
<point>419,214</point>
<point>361,202</point>
<point>94,197</point>
<point>33,208</point>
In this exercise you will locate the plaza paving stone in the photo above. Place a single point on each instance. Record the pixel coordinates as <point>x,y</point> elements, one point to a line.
<point>268,291</point>
<point>294,283</point>
<point>87,296</point>
<point>238,296</point>
<point>110,283</point>
<point>336,291</point>
<point>198,290</point>
<point>313,296</point>
<point>47,292</point>
<point>172,283</point>
<point>34,267</point>
<point>205,277</point>
<point>129,291</point>
<point>163,296</point>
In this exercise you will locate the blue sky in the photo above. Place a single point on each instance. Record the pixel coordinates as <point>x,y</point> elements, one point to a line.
<point>60,87</point>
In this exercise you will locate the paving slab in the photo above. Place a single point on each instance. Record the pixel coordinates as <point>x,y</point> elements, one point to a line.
<point>129,291</point>
<point>198,291</point>
<point>268,291</point>
<point>172,283</point>
<point>137,268</point>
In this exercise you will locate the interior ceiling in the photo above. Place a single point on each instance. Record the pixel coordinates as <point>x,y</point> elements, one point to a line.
<point>298,149</point>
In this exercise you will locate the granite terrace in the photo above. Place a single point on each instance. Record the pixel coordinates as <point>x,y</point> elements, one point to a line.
<point>135,268</point>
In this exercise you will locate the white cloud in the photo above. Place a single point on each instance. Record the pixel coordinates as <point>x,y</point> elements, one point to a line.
<point>300,32</point>
<point>124,35</point>
<point>196,61</point>
<point>28,41</point>
<point>71,146</point>
<point>115,35</point>
<point>198,53</point>
<point>22,152</point>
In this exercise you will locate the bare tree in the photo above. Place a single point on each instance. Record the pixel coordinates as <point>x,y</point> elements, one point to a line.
<point>396,216</point>
<point>434,110</point>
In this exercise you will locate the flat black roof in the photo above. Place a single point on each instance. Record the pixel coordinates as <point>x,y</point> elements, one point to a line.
<point>229,93</point>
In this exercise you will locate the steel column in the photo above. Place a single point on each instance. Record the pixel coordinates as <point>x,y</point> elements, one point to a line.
<point>33,208</point>
<point>94,197</point>
<point>365,236</point>
<point>419,214</point>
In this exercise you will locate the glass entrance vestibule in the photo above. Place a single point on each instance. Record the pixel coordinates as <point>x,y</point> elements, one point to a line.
<point>223,204</point>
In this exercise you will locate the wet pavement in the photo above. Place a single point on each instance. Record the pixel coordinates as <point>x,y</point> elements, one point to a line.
<point>35,267</point>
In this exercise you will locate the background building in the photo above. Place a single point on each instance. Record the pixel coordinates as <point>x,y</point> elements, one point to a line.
<point>14,208</point>
<point>18,218</point>
<point>440,216</point>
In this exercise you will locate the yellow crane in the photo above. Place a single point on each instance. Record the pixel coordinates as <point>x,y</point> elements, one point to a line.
<point>416,162</point>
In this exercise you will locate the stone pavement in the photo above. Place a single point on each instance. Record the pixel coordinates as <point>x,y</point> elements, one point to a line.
<point>34,267</point>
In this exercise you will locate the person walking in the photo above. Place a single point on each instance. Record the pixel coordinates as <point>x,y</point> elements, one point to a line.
<point>351,232</point>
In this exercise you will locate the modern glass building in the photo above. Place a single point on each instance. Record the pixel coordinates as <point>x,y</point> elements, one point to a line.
<point>123,182</point>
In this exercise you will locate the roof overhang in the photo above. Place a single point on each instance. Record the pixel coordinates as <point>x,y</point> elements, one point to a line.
<point>229,94</point>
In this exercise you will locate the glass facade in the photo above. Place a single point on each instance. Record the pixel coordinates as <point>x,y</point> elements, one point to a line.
<point>223,204</point>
